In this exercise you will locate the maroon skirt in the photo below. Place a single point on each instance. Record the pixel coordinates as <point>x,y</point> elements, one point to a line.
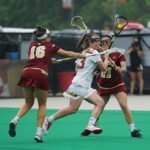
<point>34,78</point>
<point>108,91</point>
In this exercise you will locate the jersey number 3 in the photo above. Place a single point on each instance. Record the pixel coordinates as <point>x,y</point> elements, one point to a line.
<point>80,64</point>
<point>37,52</point>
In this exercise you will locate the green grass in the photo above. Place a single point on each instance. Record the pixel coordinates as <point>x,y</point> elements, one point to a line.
<point>65,133</point>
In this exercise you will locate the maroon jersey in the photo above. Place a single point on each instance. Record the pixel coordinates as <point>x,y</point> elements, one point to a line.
<point>110,81</point>
<point>39,54</point>
<point>35,71</point>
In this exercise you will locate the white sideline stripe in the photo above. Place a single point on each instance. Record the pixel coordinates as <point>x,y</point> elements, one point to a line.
<point>135,103</point>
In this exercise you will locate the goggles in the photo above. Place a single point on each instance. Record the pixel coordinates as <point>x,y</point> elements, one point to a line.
<point>105,42</point>
<point>96,40</point>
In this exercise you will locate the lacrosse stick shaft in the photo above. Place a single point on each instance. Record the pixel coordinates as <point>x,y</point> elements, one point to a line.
<point>112,62</point>
<point>64,59</point>
<point>108,51</point>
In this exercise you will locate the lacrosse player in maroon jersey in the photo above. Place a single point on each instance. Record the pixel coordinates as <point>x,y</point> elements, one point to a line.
<point>110,82</point>
<point>34,78</point>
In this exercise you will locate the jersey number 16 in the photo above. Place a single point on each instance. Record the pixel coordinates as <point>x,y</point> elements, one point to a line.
<point>37,52</point>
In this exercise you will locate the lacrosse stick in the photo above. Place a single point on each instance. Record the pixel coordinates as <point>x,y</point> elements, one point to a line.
<point>108,51</point>
<point>79,23</point>
<point>120,23</point>
<point>63,59</point>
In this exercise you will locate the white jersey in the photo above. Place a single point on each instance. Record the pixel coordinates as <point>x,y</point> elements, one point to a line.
<point>85,68</point>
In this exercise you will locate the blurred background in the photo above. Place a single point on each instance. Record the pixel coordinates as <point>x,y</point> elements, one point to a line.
<point>19,18</point>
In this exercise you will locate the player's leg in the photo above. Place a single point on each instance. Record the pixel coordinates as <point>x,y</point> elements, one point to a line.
<point>122,99</point>
<point>106,99</point>
<point>71,109</point>
<point>29,100</point>
<point>41,98</point>
<point>98,102</point>
<point>99,105</point>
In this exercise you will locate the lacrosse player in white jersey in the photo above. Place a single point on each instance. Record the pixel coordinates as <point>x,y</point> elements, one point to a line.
<point>81,86</point>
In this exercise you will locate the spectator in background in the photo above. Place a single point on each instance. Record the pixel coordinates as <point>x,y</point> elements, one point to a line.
<point>106,29</point>
<point>4,91</point>
<point>136,68</point>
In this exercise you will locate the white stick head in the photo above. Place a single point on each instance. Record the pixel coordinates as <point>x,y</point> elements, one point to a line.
<point>78,22</point>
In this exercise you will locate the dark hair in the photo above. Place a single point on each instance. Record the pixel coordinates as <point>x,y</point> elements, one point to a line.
<point>107,35</point>
<point>137,43</point>
<point>39,31</point>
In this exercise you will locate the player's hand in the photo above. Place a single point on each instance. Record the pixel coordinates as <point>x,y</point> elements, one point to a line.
<point>54,61</point>
<point>86,54</point>
<point>117,68</point>
<point>96,73</point>
<point>106,55</point>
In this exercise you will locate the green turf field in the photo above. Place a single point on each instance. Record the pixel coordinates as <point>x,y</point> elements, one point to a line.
<point>65,133</point>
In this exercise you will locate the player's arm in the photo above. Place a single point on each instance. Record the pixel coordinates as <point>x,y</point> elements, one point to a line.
<point>122,68</point>
<point>104,64</point>
<point>69,53</point>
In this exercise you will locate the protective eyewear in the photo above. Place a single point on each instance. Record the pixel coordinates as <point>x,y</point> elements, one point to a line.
<point>96,40</point>
<point>105,42</point>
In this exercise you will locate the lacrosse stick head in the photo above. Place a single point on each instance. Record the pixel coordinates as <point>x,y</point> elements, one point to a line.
<point>78,22</point>
<point>120,23</point>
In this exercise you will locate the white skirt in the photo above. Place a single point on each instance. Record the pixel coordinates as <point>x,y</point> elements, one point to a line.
<point>76,91</point>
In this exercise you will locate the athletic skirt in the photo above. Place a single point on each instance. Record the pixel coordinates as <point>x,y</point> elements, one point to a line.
<point>112,90</point>
<point>34,77</point>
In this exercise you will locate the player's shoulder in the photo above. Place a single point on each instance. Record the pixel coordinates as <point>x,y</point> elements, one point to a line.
<point>34,43</point>
<point>47,44</point>
<point>117,54</point>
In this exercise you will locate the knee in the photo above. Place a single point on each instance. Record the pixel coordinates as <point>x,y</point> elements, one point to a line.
<point>29,104</point>
<point>101,103</point>
<point>123,106</point>
<point>73,110</point>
